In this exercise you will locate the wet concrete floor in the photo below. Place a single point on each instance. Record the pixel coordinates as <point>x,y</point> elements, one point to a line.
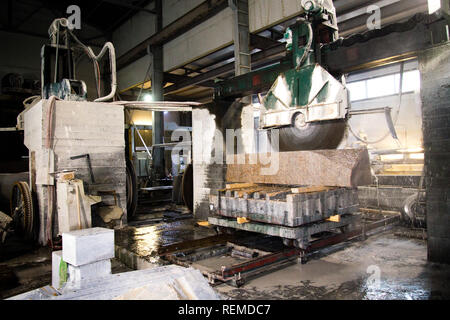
<point>384,266</point>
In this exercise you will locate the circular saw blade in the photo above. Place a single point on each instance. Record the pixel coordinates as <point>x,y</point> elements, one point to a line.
<point>312,136</point>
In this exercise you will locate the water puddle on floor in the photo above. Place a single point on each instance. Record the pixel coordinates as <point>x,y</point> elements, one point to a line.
<point>145,241</point>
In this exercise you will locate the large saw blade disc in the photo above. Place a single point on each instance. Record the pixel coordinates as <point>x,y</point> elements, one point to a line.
<point>312,136</point>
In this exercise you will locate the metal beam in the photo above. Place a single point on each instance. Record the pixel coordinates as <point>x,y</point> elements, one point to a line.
<point>175,78</point>
<point>193,18</point>
<point>130,6</point>
<point>158,94</point>
<point>391,48</point>
<point>262,43</point>
<point>363,10</point>
<point>241,36</point>
<point>276,51</point>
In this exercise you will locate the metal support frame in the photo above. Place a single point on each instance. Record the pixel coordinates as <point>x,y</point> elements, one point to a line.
<point>157,91</point>
<point>241,36</point>
<point>237,274</point>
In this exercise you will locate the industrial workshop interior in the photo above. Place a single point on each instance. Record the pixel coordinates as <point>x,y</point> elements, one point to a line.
<point>224,150</point>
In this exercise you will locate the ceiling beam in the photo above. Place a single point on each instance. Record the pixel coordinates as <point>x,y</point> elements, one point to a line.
<point>175,78</point>
<point>262,43</point>
<point>130,6</point>
<point>191,19</point>
<point>256,58</point>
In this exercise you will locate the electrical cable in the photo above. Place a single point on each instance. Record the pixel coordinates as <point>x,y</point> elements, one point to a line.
<point>108,46</point>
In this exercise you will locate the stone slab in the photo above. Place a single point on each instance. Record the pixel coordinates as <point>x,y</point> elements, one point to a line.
<point>89,271</point>
<point>335,168</point>
<point>162,283</point>
<point>86,246</point>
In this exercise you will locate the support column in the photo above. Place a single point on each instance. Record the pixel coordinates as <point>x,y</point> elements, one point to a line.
<point>157,92</point>
<point>241,36</point>
<point>435,92</point>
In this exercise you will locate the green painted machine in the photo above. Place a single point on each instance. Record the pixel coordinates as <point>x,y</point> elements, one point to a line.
<point>303,100</point>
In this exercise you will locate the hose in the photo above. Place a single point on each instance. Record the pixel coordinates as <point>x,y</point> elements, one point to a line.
<point>95,58</point>
<point>307,47</point>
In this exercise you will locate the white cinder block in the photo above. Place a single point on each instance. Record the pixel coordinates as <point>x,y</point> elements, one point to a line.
<point>89,271</point>
<point>56,261</point>
<point>87,246</point>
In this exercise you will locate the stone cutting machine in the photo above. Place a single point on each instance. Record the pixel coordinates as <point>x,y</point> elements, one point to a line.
<point>310,108</point>
<point>304,101</point>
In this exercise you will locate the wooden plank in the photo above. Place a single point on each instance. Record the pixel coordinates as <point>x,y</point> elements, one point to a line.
<point>309,189</point>
<point>235,186</point>
<point>332,168</point>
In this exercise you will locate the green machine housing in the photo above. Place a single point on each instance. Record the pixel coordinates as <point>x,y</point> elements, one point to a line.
<point>304,101</point>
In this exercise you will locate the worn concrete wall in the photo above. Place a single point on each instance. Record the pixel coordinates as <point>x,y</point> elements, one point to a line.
<point>435,73</point>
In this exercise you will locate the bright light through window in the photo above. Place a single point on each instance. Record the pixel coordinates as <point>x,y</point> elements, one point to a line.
<point>384,86</point>
<point>433,6</point>
<point>357,90</point>
<point>411,81</point>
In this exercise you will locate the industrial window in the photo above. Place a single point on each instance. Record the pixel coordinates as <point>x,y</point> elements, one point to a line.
<point>384,86</point>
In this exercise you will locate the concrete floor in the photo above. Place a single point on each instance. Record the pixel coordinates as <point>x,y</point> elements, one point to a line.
<point>343,273</point>
<point>339,272</point>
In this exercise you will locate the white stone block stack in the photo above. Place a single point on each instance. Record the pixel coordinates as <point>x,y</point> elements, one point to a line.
<point>87,253</point>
